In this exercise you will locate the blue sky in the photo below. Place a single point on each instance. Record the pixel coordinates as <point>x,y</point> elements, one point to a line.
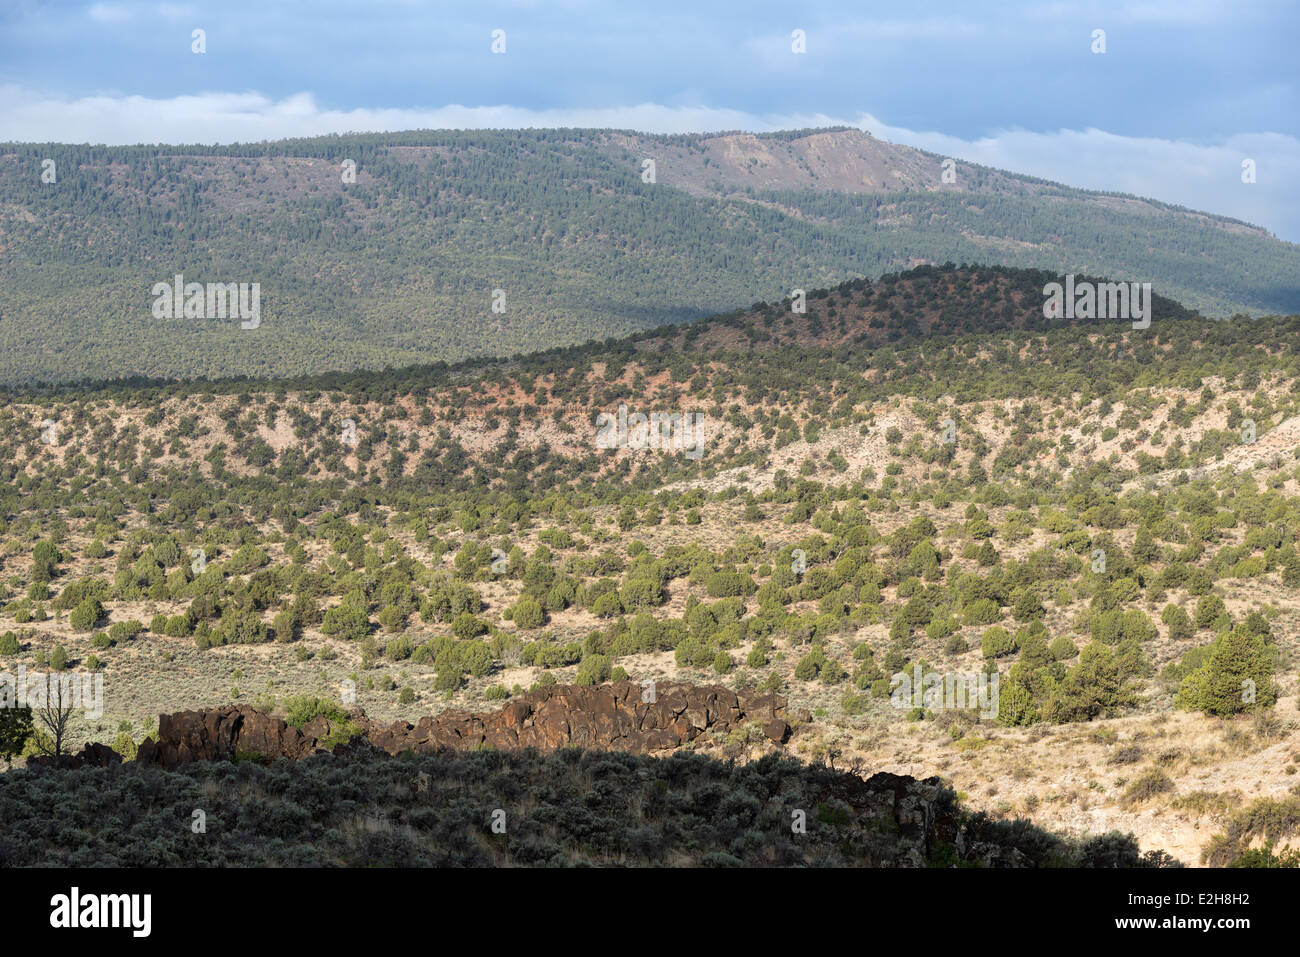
<point>1185,90</point>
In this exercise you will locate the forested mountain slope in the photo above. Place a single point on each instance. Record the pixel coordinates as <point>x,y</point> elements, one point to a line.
<point>402,265</point>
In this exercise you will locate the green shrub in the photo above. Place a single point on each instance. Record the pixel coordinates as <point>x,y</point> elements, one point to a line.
<point>125,745</point>
<point>1062,648</point>
<point>593,670</point>
<point>955,645</point>
<point>86,615</point>
<point>528,614</point>
<point>1236,676</point>
<point>981,611</point>
<point>45,560</point>
<point>1146,785</point>
<point>285,626</point>
<point>347,620</point>
<point>725,584</point>
<point>810,666</point>
<point>392,618</point>
<point>607,606</point>
<point>249,558</point>
<point>300,709</point>
<point>1179,622</point>
<point>1208,610</point>
<point>121,631</point>
<point>466,625</point>
<point>997,642</point>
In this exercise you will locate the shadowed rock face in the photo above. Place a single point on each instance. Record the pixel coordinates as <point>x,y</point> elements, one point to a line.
<point>616,717</point>
<point>92,755</point>
<point>611,717</point>
<point>222,734</point>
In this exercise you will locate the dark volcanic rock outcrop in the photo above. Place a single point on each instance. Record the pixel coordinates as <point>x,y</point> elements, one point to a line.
<point>92,755</point>
<point>226,733</point>
<point>615,717</point>
<point>609,717</point>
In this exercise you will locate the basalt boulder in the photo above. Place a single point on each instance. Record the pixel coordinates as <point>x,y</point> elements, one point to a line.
<point>223,734</point>
<point>93,755</point>
<point>621,716</point>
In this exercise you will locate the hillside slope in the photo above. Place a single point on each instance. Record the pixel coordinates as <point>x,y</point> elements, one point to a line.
<point>878,490</point>
<point>403,265</point>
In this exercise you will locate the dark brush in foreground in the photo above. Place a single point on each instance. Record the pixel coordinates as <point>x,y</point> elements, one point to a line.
<point>361,807</point>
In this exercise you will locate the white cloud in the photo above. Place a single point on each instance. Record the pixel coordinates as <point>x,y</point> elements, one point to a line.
<point>108,12</point>
<point>249,117</point>
<point>930,28</point>
<point>1179,11</point>
<point>1201,176</point>
<point>1176,12</point>
<point>175,11</point>
<point>121,12</point>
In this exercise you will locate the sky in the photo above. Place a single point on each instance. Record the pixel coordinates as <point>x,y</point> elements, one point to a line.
<point>1185,92</point>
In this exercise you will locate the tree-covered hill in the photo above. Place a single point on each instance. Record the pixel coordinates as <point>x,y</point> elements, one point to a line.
<point>402,266</point>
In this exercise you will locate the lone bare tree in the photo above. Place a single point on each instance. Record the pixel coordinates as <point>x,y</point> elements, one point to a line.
<point>55,712</point>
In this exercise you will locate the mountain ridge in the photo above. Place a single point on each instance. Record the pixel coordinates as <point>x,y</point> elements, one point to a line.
<point>404,265</point>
